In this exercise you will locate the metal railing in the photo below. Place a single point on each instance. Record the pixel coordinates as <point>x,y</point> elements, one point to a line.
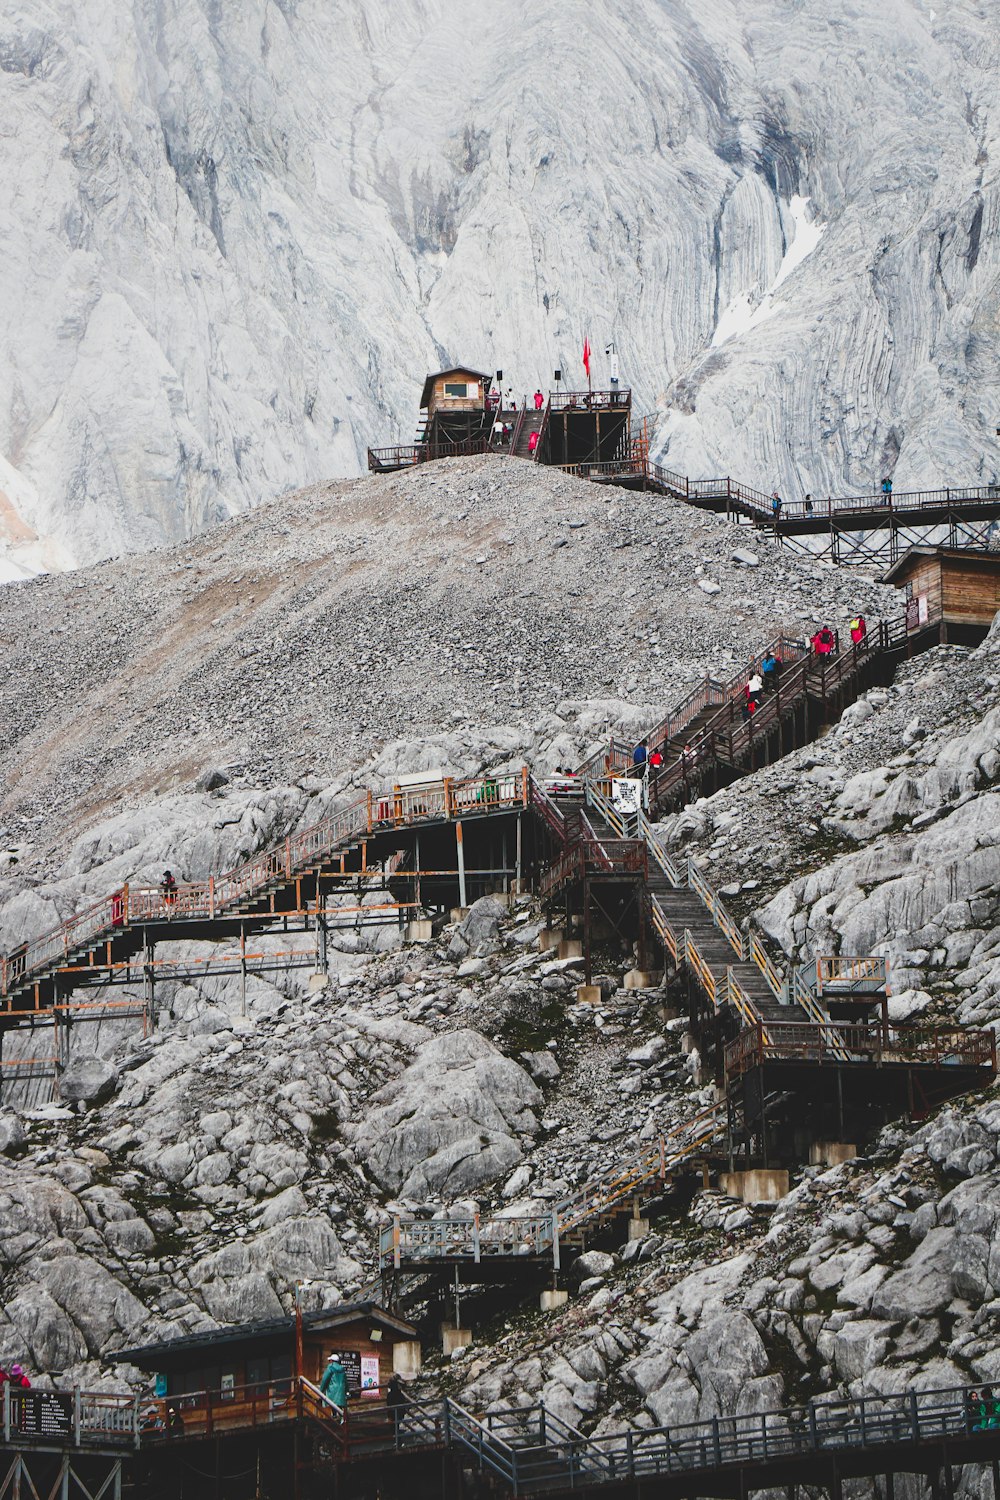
<point>866,1042</point>
<point>468,1238</point>
<point>134,905</point>
<point>586,400</point>
<point>406,455</point>
<point>532,1450</point>
<point>73,1418</point>
<point>557,1460</point>
<point>761,504</point>
<point>852,975</point>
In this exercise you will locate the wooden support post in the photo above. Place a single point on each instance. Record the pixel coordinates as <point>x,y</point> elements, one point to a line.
<point>518,857</point>
<point>243,970</point>
<point>460,846</point>
<point>416,861</point>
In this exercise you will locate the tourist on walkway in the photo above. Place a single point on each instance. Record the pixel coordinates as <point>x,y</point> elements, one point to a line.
<point>770,666</point>
<point>397,1401</point>
<point>749,709</point>
<point>18,1378</point>
<point>775,504</point>
<point>886,491</point>
<point>168,888</point>
<point>824,641</point>
<point>755,685</point>
<point>809,505</point>
<point>639,757</point>
<point>858,629</point>
<point>655,760</point>
<point>533,442</point>
<point>539,400</point>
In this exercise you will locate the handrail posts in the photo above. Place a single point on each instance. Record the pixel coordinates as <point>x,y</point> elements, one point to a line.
<point>716,1441</point>
<point>135,1420</point>
<point>525,787</point>
<point>368,800</point>
<point>914,1417</point>
<point>813,1434</point>
<point>288,859</point>
<point>449,801</point>
<point>475,1238</point>
<point>77,1414</point>
<point>211,895</point>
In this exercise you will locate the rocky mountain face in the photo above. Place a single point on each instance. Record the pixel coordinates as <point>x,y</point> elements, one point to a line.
<point>236,237</point>
<point>196,1174</point>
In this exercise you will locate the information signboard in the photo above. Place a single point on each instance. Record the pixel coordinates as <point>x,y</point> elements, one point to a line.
<point>351,1361</point>
<point>42,1413</point>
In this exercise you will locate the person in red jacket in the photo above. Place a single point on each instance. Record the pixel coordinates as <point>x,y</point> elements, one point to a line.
<point>533,442</point>
<point>18,1378</point>
<point>824,641</point>
<point>858,629</point>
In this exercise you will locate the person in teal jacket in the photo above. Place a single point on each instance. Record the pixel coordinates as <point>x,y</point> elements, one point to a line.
<point>334,1382</point>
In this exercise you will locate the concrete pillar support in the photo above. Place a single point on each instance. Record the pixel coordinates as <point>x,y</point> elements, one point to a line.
<point>453,1338</point>
<point>406,1358</point>
<point>760,1185</point>
<point>641,979</point>
<point>551,1301</point>
<point>588,994</point>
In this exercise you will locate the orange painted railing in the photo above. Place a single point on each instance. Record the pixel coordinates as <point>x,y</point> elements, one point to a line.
<point>133,905</point>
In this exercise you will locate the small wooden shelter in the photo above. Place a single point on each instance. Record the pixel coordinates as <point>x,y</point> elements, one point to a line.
<point>240,1363</point>
<point>456,390</point>
<point>961,585</point>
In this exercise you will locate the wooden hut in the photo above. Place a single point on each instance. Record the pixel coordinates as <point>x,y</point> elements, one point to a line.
<point>959,585</point>
<point>251,1362</point>
<point>457,412</point>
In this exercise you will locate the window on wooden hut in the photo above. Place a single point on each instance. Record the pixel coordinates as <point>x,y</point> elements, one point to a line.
<point>454,388</point>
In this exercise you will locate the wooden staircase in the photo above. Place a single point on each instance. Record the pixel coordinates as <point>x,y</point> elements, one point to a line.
<point>532,421</point>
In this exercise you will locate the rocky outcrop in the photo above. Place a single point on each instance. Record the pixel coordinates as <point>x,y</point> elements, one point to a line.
<point>454,1119</point>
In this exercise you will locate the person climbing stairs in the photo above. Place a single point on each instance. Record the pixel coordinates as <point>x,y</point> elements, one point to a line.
<point>532,424</point>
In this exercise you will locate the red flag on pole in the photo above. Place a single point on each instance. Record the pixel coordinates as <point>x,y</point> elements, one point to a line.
<point>586,355</point>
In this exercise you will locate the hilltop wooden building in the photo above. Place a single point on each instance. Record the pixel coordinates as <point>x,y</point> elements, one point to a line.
<point>456,412</point>
<point>961,585</point>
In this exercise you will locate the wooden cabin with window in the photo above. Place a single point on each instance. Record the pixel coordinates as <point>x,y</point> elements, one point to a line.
<point>958,585</point>
<point>249,1374</point>
<point>457,412</point>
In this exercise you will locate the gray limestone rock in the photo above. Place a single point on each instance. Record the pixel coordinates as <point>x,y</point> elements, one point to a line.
<point>449,1122</point>
<point>88,1080</point>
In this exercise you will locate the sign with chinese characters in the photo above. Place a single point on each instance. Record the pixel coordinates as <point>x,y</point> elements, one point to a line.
<point>42,1413</point>
<point>369,1372</point>
<point>351,1361</point>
